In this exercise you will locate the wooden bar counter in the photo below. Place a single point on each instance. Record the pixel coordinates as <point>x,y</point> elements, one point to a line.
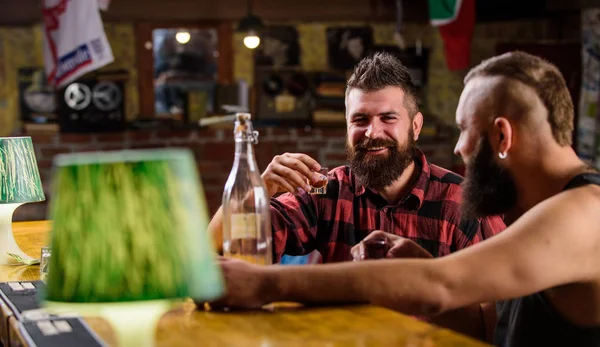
<point>285,325</point>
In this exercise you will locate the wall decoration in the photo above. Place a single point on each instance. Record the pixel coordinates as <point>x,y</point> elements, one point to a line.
<point>348,45</point>
<point>279,47</point>
<point>37,99</point>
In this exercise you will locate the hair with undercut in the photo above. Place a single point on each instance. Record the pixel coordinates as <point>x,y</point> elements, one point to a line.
<point>544,78</point>
<point>382,70</point>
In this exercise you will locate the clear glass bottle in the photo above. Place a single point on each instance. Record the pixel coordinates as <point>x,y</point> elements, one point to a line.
<point>246,214</point>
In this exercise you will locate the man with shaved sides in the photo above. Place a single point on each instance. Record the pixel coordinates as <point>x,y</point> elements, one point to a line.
<point>515,117</point>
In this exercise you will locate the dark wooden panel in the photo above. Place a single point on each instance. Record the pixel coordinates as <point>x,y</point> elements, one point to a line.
<point>145,65</point>
<point>226,52</point>
<point>16,12</point>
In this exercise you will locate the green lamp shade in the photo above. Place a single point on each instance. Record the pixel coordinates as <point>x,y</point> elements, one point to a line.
<point>129,226</point>
<point>19,176</point>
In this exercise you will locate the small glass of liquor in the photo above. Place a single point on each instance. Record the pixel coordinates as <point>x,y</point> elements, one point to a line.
<point>319,187</point>
<point>375,249</point>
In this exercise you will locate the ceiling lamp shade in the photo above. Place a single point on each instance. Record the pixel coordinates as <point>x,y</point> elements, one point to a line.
<point>250,23</point>
<point>252,26</point>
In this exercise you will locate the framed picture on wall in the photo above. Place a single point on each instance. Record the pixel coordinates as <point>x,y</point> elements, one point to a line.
<point>37,99</point>
<point>346,46</point>
<point>279,47</point>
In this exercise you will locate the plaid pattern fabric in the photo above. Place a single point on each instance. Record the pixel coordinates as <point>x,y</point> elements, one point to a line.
<point>334,222</point>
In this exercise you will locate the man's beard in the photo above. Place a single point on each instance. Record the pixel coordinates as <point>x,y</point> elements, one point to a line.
<point>380,171</point>
<point>488,189</point>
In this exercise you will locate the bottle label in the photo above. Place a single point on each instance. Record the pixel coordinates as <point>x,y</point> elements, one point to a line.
<point>243,226</point>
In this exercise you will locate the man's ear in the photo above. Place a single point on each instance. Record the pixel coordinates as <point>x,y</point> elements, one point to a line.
<point>417,125</point>
<point>502,136</point>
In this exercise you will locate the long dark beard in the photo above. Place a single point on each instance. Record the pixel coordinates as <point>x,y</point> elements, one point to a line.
<point>378,172</point>
<point>488,189</point>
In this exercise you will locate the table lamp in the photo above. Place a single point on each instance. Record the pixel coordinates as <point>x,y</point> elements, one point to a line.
<point>129,239</point>
<point>19,184</point>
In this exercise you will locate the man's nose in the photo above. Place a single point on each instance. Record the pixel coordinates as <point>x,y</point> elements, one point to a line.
<point>373,130</point>
<point>457,149</point>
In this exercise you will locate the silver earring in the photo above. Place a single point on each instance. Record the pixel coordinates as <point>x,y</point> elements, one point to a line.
<point>502,155</point>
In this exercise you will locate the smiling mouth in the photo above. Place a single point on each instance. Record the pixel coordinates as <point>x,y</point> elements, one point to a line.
<point>376,149</point>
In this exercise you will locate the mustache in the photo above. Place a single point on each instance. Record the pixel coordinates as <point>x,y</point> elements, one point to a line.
<point>375,143</point>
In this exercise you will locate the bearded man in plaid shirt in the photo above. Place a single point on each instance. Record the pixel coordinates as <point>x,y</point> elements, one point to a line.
<point>388,187</point>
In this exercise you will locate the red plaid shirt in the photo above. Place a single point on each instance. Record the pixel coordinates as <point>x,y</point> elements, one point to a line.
<point>334,222</point>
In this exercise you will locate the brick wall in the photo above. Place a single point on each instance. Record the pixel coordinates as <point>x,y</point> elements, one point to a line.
<point>213,150</point>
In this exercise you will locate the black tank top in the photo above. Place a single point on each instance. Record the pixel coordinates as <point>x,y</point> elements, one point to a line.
<point>533,321</point>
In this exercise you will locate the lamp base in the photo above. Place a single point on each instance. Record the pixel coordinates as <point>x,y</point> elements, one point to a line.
<point>134,323</point>
<point>7,240</point>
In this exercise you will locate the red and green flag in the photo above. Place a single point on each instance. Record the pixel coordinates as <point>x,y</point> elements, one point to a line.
<point>456,20</point>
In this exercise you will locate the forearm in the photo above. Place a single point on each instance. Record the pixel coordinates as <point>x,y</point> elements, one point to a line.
<point>215,230</point>
<point>408,286</point>
<point>313,284</point>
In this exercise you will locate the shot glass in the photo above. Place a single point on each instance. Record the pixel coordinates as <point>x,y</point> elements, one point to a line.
<point>375,249</point>
<point>45,262</point>
<point>319,187</point>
